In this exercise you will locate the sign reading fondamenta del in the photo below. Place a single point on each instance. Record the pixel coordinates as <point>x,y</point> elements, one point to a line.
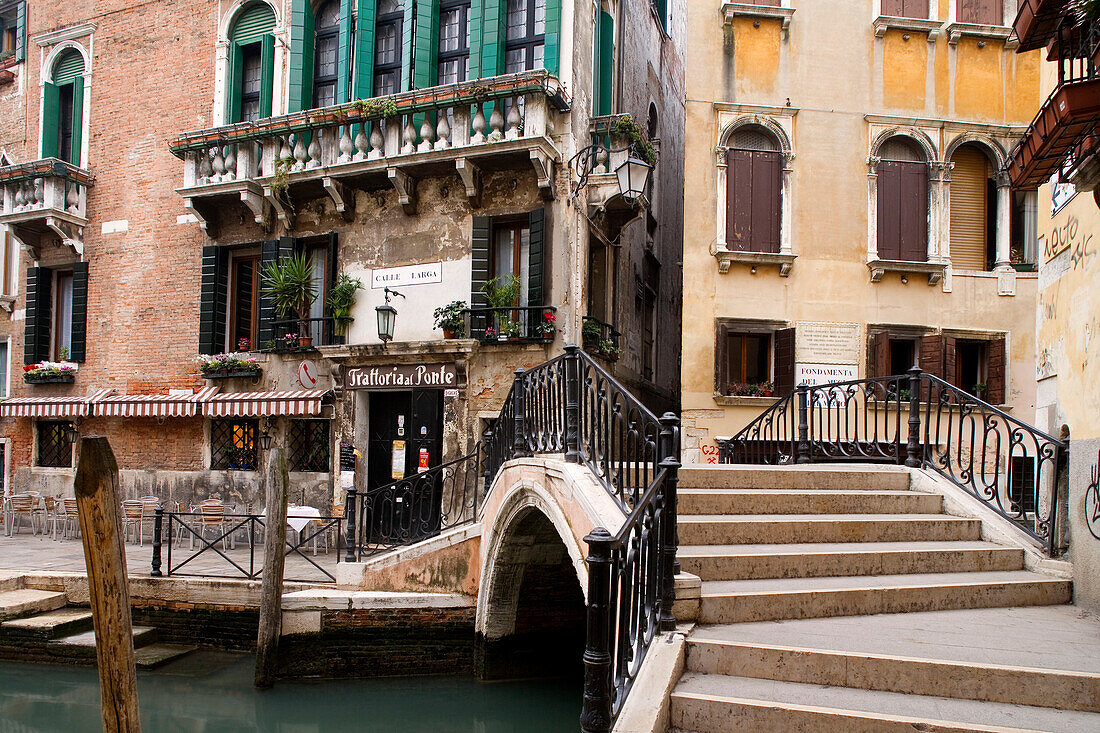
<point>403,376</point>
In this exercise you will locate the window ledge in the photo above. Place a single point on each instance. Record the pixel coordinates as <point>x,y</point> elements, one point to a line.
<point>934,270</point>
<point>957,30</point>
<point>744,10</point>
<point>884,23</point>
<point>7,302</point>
<point>785,261</point>
<point>744,401</point>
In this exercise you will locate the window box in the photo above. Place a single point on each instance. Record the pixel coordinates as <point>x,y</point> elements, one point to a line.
<point>233,374</point>
<point>31,378</point>
<point>226,366</point>
<point>1023,266</point>
<point>49,372</point>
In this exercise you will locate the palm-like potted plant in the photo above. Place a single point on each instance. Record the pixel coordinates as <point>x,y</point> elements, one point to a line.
<point>341,299</point>
<point>502,292</point>
<point>451,319</point>
<point>288,282</point>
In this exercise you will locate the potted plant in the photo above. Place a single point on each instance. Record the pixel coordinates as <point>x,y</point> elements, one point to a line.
<point>547,327</point>
<point>341,299</point>
<point>511,329</point>
<point>980,390</point>
<point>590,334</point>
<point>609,350</point>
<point>451,319</point>
<point>244,344</point>
<point>289,342</point>
<point>767,389</point>
<point>49,372</point>
<point>225,366</point>
<point>502,292</point>
<point>288,282</point>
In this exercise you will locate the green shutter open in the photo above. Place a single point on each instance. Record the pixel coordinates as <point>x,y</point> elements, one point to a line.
<point>343,53</point>
<point>51,112</point>
<point>408,43</point>
<point>364,49</point>
<point>254,22</point>
<point>79,334</point>
<point>233,91</point>
<point>68,66</point>
<point>480,245</point>
<point>477,12</point>
<point>78,117</point>
<point>213,292</point>
<point>425,61</point>
<point>301,56</point>
<point>536,260</point>
<point>267,74</point>
<point>552,38</point>
<point>21,32</point>
<point>36,328</point>
<point>605,65</point>
<point>492,38</point>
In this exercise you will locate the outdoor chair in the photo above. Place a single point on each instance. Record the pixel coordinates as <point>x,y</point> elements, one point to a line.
<point>47,510</point>
<point>133,515</point>
<point>67,516</point>
<point>213,518</point>
<point>22,505</point>
<point>334,530</point>
<point>5,511</point>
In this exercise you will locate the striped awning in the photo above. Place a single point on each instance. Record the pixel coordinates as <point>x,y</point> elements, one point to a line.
<point>158,405</point>
<point>263,404</point>
<point>67,406</point>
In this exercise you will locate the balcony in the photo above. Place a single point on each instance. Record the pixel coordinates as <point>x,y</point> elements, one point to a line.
<point>524,324</point>
<point>614,138</point>
<point>45,195</point>
<point>1037,22</point>
<point>600,339</point>
<point>1063,137</point>
<point>269,166</point>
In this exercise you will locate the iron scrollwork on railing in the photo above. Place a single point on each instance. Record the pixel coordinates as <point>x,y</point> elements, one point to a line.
<point>1092,499</point>
<point>917,420</point>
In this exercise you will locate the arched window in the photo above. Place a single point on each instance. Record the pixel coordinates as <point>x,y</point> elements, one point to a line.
<point>973,209</point>
<point>902,201</point>
<point>387,47</point>
<point>326,48</point>
<point>63,108</point>
<point>251,64</point>
<point>754,165</point>
<point>525,35</point>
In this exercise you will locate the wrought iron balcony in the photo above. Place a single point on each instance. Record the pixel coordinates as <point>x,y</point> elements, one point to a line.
<point>613,139</point>
<point>1037,21</point>
<point>523,324</point>
<point>600,339</point>
<point>499,123</point>
<point>45,195</point>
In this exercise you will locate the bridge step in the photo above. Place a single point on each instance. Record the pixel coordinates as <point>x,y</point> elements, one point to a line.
<point>718,703</point>
<point>736,562</point>
<point>16,603</point>
<point>51,625</point>
<point>83,644</point>
<point>836,478</point>
<point>711,529</point>
<point>730,601</point>
<point>805,501</point>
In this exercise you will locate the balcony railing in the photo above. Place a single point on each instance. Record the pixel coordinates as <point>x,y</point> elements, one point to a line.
<point>525,324</point>
<point>600,339</point>
<point>46,194</point>
<point>322,331</point>
<point>492,123</point>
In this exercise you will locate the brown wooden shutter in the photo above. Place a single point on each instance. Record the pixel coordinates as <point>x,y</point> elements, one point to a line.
<point>950,371</point>
<point>878,364</point>
<point>996,368</point>
<point>753,182</point>
<point>930,359</point>
<point>738,200</point>
<point>784,361</point>
<point>913,205</point>
<point>969,209</point>
<point>984,12</point>
<point>722,354</point>
<point>905,8</point>
<point>889,213</point>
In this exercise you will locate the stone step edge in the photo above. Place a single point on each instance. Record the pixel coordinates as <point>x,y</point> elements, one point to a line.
<point>856,588</point>
<point>685,551</point>
<point>736,519</point>
<point>932,665</point>
<point>924,725</point>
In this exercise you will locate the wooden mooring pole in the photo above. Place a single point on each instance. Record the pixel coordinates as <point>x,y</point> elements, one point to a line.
<point>98,502</point>
<point>276,482</point>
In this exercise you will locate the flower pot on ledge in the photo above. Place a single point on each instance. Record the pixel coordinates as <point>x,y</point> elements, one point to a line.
<point>49,378</point>
<point>232,373</point>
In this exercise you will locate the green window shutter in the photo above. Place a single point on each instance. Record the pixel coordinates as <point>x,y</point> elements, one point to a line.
<point>301,56</point>
<point>269,252</point>
<point>425,61</point>
<point>343,59</point>
<point>78,118</point>
<point>662,11</point>
<point>78,336</point>
<point>480,247</point>
<point>408,43</point>
<point>21,32</point>
<point>605,65</point>
<point>552,37</point>
<point>36,329</point>
<point>68,66</point>
<point>254,22</point>
<point>536,261</point>
<point>364,49</point>
<point>267,74</point>
<point>51,113</point>
<point>477,13</point>
<point>233,92</point>
<point>212,299</point>
<point>492,38</point>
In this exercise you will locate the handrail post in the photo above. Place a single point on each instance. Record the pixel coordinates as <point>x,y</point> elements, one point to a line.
<point>349,513</point>
<point>519,413</point>
<point>668,453</point>
<point>572,404</point>
<point>803,424</point>
<point>914,454</point>
<point>596,707</point>
<point>158,519</point>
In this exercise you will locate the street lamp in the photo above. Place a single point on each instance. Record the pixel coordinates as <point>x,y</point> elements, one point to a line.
<point>71,435</point>
<point>387,317</point>
<point>633,175</point>
<point>265,440</point>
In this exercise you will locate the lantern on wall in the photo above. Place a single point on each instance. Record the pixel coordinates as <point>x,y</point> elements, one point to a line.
<point>387,317</point>
<point>633,175</point>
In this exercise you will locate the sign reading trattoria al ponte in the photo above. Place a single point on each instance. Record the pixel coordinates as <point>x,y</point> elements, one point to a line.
<point>403,376</point>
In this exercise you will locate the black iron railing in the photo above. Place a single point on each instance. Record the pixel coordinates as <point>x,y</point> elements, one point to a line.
<point>414,508</point>
<point>1092,499</point>
<point>529,324</point>
<point>923,422</point>
<point>1073,48</point>
<point>322,332</point>
<point>215,534</point>
<point>600,338</point>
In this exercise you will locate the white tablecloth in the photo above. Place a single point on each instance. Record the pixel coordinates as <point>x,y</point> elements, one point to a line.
<point>297,517</point>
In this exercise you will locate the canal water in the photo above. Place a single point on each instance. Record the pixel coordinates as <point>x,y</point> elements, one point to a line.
<point>212,692</point>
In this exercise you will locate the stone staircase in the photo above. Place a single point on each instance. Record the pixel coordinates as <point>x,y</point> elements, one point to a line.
<point>38,625</point>
<point>837,599</point>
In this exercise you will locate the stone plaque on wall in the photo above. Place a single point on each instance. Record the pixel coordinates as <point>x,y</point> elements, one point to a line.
<point>818,342</point>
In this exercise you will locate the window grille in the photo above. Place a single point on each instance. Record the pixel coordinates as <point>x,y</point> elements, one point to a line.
<point>309,445</point>
<point>233,445</point>
<point>55,450</point>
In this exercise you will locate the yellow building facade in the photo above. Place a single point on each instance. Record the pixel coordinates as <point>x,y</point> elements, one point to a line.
<point>845,211</point>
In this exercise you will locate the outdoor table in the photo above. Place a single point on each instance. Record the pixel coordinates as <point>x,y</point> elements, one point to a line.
<point>299,517</point>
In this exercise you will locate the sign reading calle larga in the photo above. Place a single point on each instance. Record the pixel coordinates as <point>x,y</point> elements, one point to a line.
<point>403,376</point>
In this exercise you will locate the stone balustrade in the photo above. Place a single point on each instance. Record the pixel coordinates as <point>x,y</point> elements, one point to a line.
<point>497,122</point>
<point>47,194</point>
